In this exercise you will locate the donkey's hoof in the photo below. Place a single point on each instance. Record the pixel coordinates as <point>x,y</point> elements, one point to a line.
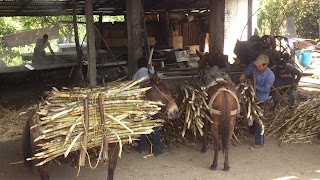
<point>213,167</point>
<point>226,168</point>
<point>203,150</point>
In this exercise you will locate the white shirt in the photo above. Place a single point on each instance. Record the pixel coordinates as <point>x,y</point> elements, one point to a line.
<point>41,46</point>
<point>142,72</point>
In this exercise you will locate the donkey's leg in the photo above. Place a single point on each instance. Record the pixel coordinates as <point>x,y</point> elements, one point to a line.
<point>230,133</point>
<point>215,134</point>
<point>43,171</point>
<point>204,145</point>
<point>113,159</point>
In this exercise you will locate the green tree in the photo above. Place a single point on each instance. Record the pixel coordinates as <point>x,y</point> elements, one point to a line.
<point>305,12</point>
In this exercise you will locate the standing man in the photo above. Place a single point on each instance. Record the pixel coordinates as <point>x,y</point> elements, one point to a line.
<point>156,137</point>
<point>41,44</point>
<point>264,81</point>
<point>286,74</point>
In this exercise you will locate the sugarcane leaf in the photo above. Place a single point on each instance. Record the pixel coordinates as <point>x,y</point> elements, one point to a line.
<point>72,143</point>
<point>74,124</point>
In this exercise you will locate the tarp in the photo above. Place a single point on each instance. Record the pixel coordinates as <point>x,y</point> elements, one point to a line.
<point>30,36</point>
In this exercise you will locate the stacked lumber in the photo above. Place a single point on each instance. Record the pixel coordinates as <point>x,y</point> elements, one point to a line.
<point>62,118</point>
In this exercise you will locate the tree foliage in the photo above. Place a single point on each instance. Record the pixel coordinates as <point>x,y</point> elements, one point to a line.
<point>22,23</point>
<point>305,12</point>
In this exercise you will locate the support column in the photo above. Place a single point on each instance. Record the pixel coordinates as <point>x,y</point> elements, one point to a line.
<point>165,22</point>
<point>133,17</point>
<point>100,45</point>
<point>249,33</point>
<point>216,26</point>
<point>91,55</point>
<point>319,27</point>
<point>78,77</point>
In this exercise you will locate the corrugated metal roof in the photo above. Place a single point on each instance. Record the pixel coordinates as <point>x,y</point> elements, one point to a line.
<point>110,7</point>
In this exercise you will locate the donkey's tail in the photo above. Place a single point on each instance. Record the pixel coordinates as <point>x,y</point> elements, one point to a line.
<point>225,117</point>
<point>26,142</point>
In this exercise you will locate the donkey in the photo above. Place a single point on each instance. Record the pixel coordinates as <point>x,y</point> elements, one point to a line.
<point>158,92</point>
<point>223,105</point>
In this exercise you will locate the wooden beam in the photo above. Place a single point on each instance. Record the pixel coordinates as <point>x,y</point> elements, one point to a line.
<point>249,19</point>
<point>91,56</point>
<point>78,70</point>
<point>132,68</point>
<point>23,6</point>
<point>134,35</point>
<point>144,32</point>
<point>216,25</point>
<point>167,33</point>
<point>100,45</point>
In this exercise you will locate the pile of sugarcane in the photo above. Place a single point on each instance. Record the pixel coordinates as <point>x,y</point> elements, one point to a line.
<point>194,108</point>
<point>250,110</point>
<point>301,126</point>
<point>116,112</point>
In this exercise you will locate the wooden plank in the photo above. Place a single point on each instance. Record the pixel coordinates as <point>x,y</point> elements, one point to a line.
<point>83,150</point>
<point>92,71</point>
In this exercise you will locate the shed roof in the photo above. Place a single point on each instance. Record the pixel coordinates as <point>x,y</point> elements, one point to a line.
<point>104,7</point>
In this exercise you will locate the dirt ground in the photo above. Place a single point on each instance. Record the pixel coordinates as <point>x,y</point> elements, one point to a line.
<point>291,161</point>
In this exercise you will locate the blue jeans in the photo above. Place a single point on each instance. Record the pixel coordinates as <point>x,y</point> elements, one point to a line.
<point>282,82</point>
<point>259,139</point>
<point>156,140</point>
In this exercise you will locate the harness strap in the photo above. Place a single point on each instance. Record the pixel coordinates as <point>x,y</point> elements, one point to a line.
<point>216,81</point>
<point>217,112</point>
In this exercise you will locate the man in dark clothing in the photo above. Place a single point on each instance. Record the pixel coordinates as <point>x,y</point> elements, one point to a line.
<point>156,137</point>
<point>286,74</point>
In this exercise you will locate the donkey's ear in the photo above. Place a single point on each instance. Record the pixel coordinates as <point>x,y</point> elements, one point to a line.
<point>198,53</point>
<point>149,74</point>
<point>156,78</point>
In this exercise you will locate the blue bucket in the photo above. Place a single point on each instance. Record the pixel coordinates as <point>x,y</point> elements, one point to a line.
<point>305,58</point>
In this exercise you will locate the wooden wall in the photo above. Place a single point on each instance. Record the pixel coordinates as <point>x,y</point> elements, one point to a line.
<point>193,32</point>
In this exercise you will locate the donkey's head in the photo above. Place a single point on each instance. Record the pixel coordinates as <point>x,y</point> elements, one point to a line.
<point>159,92</point>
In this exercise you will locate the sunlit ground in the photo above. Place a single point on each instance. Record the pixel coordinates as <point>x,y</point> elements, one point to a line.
<point>297,176</point>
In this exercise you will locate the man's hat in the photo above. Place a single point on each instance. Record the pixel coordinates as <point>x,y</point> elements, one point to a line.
<point>261,59</point>
<point>281,65</point>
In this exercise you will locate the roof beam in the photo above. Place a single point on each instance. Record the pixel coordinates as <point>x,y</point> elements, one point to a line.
<point>23,6</point>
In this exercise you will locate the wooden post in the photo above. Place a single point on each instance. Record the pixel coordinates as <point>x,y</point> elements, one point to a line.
<point>134,35</point>
<point>105,142</point>
<point>216,25</point>
<point>101,31</point>
<point>91,55</point>
<point>78,77</point>
<point>165,24</point>
<point>319,27</point>
<point>168,30</point>
<point>145,33</point>
<point>249,19</point>
<point>83,150</point>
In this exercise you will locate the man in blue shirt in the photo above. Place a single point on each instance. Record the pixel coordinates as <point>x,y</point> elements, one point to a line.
<point>264,82</point>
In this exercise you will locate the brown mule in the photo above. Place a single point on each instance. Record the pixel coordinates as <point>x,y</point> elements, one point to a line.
<point>224,106</point>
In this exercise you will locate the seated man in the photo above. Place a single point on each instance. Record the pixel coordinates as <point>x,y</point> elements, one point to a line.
<point>286,74</point>
<point>41,44</point>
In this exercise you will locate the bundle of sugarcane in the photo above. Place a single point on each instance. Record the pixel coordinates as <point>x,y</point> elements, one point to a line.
<point>116,112</point>
<point>250,110</point>
<point>302,125</point>
<point>194,108</point>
